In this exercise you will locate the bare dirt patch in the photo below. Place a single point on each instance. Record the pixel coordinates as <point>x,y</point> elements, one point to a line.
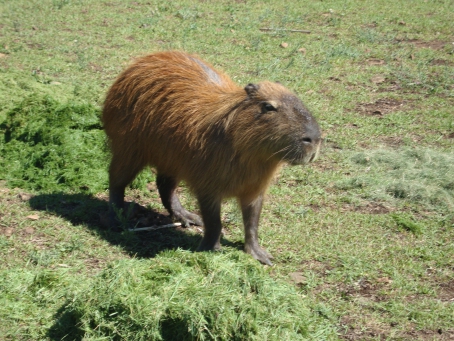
<point>315,207</point>
<point>434,44</point>
<point>446,292</point>
<point>316,266</point>
<point>392,141</point>
<point>429,335</point>
<point>320,268</point>
<point>375,62</point>
<point>366,290</point>
<point>389,86</point>
<point>380,107</point>
<point>354,332</point>
<point>95,67</point>
<point>34,46</point>
<point>94,264</point>
<point>441,62</point>
<point>367,208</point>
<point>298,278</point>
<point>370,25</point>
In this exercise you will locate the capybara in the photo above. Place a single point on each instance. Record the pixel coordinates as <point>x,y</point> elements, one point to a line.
<point>192,123</point>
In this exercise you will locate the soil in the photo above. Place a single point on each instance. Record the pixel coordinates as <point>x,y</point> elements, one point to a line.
<point>380,107</point>
<point>353,332</point>
<point>366,290</point>
<point>446,292</point>
<point>316,266</point>
<point>367,208</point>
<point>431,335</point>
<point>441,62</point>
<point>364,333</point>
<point>374,61</point>
<point>392,141</point>
<point>434,44</point>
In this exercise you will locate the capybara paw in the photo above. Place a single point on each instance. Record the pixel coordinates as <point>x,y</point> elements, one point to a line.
<point>260,254</point>
<point>187,218</point>
<point>109,221</point>
<point>208,245</point>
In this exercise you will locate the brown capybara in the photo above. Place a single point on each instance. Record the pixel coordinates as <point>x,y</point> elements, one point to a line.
<point>176,113</point>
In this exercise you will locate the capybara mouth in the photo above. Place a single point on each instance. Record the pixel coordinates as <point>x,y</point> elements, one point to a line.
<point>306,152</point>
<point>301,160</point>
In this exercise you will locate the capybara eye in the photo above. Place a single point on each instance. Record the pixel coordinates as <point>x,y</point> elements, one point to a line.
<point>268,107</point>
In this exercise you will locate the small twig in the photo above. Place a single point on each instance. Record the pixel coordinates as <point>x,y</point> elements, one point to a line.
<point>154,227</point>
<point>283,29</point>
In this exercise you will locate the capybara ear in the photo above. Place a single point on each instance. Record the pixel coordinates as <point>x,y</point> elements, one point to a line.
<point>251,89</point>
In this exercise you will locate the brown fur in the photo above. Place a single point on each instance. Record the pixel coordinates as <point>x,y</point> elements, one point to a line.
<point>178,114</point>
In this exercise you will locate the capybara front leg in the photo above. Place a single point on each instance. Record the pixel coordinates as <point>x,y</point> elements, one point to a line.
<point>251,213</point>
<point>211,214</point>
<point>167,190</point>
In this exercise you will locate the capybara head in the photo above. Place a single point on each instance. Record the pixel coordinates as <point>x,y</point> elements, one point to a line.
<point>274,123</point>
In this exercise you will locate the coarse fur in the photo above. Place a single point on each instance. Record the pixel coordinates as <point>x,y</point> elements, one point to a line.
<point>175,112</point>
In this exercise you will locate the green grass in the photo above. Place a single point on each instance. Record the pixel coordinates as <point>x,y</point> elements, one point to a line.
<point>362,238</point>
<point>408,176</point>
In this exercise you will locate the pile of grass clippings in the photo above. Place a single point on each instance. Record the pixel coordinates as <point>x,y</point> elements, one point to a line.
<point>190,296</point>
<point>51,146</point>
<point>419,176</point>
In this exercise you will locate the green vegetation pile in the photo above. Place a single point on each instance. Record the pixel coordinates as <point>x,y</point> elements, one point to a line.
<point>50,146</point>
<point>185,296</point>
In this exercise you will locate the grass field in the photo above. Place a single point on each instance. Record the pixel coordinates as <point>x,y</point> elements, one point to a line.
<point>363,238</point>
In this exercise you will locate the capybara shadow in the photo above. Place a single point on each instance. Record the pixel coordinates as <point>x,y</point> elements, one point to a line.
<point>81,209</point>
<point>177,113</point>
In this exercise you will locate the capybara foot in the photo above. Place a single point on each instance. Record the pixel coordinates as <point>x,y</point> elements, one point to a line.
<point>116,220</point>
<point>187,218</point>
<point>260,254</point>
<point>109,221</point>
<point>209,245</point>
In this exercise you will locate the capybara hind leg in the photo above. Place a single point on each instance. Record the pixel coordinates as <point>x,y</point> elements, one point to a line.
<point>121,173</point>
<point>167,190</point>
<point>211,214</point>
<point>251,213</point>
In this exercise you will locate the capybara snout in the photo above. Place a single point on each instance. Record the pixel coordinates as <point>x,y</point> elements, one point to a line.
<point>176,113</point>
